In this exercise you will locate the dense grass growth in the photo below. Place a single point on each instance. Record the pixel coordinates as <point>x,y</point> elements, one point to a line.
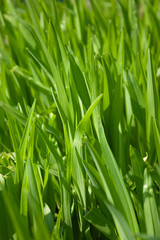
<point>79,119</point>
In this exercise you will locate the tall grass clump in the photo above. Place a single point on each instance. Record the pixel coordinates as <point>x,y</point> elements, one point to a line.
<point>79,119</point>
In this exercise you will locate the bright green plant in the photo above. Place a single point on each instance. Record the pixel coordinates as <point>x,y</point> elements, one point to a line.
<point>79,119</point>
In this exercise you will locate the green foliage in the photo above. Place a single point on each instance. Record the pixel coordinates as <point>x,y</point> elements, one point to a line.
<point>79,119</point>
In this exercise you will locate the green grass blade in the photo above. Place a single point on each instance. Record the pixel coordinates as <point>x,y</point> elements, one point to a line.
<point>24,140</point>
<point>150,208</point>
<point>157,138</point>
<point>112,165</point>
<point>98,220</point>
<point>152,98</point>
<point>17,220</point>
<point>80,82</point>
